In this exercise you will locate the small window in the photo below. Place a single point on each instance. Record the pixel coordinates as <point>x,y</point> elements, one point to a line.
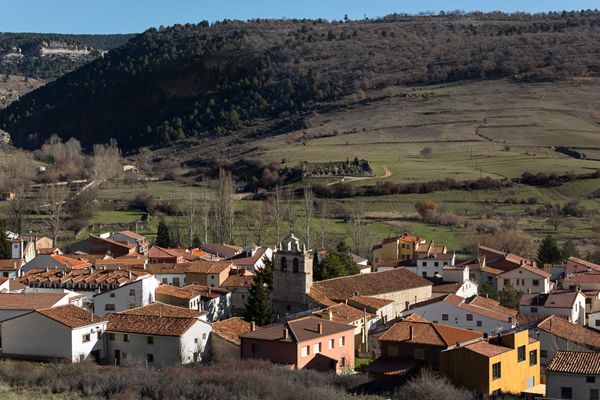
<point>126,338</point>
<point>536,282</point>
<point>590,379</point>
<point>419,354</point>
<point>534,309</point>
<point>86,338</point>
<point>295,265</point>
<point>469,317</point>
<point>521,354</point>
<point>283,264</point>
<point>588,300</point>
<point>204,336</point>
<point>479,323</point>
<point>256,349</point>
<point>496,371</point>
<point>111,336</point>
<point>444,317</point>
<point>316,348</point>
<point>288,308</point>
<point>150,340</point>
<point>424,264</point>
<point>331,344</point>
<point>594,394</point>
<point>436,264</point>
<point>243,296</point>
<point>112,295</point>
<point>304,352</point>
<point>544,353</point>
<point>109,307</point>
<point>424,273</point>
<point>506,282</point>
<point>597,323</point>
<point>342,341</point>
<point>165,280</point>
<point>566,392</point>
<point>149,357</point>
<point>342,362</point>
<point>99,335</point>
<point>132,292</point>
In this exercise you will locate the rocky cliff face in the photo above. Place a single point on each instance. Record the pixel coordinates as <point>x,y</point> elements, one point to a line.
<point>45,49</point>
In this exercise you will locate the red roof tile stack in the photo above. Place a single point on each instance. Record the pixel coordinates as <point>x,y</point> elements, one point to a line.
<point>575,362</point>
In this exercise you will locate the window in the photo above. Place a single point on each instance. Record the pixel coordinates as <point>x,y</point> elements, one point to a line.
<point>86,338</point>
<point>479,323</point>
<point>112,295</point>
<point>436,264</point>
<point>150,340</point>
<point>444,317</point>
<point>316,348</point>
<point>534,309</point>
<point>403,246</point>
<point>204,336</point>
<point>506,282</point>
<point>420,354</point>
<point>588,300</point>
<point>544,353</point>
<point>165,280</point>
<point>469,317</point>
<point>243,296</point>
<point>132,292</point>
<point>99,335</point>
<point>149,357</point>
<point>566,392</point>
<point>597,323</point>
<point>496,371</point>
<point>424,273</point>
<point>256,349</point>
<point>521,353</point>
<point>111,336</point>
<point>342,362</point>
<point>331,344</point>
<point>109,307</point>
<point>295,266</point>
<point>424,264</point>
<point>304,352</point>
<point>533,357</point>
<point>590,379</point>
<point>283,264</point>
<point>342,341</point>
<point>536,282</point>
<point>126,338</point>
<point>594,394</point>
<point>392,351</point>
<point>175,281</point>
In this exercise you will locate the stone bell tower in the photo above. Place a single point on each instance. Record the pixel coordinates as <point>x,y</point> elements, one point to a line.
<point>292,277</point>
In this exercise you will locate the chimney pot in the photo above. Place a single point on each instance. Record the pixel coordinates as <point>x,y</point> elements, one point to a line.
<point>412,333</point>
<point>320,327</point>
<point>252,326</point>
<point>285,333</point>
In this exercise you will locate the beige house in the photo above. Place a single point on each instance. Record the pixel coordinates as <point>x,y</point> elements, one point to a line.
<point>527,279</point>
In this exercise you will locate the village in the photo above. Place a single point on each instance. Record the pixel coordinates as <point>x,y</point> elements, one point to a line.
<point>117,299</point>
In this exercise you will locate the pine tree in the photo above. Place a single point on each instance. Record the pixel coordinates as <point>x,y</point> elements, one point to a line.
<point>4,242</point>
<point>266,273</point>
<point>258,307</point>
<point>196,242</point>
<point>488,288</point>
<point>569,250</point>
<point>162,236</point>
<point>548,252</point>
<point>510,297</point>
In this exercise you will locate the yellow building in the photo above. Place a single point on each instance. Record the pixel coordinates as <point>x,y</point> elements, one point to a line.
<point>397,248</point>
<point>508,363</point>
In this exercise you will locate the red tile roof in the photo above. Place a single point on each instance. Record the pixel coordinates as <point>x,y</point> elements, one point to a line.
<point>428,333</point>
<point>299,330</point>
<point>342,313</point>
<point>14,285</point>
<point>132,235</point>
<point>586,277</point>
<point>164,310</point>
<point>533,270</point>
<point>484,347</point>
<point>205,291</point>
<point>70,263</point>
<point>445,287</point>
<point>231,329</point>
<point>493,305</point>
<point>173,291</point>
<point>394,263</point>
<point>561,299</point>
<point>243,260</point>
<point>561,328</point>
<point>372,302</point>
<point>239,281</point>
<point>160,252</point>
<point>94,278</point>
<point>450,298</point>
<point>149,324</point>
<point>375,283</point>
<point>10,264</point>
<point>577,265</point>
<point>30,301</point>
<point>393,366</point>
<point>575,362</point>
<point>71,316</point>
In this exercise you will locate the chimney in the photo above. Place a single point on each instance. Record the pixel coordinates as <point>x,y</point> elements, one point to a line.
<point>348,314</point>
<point>129,274</point>
<point>159,314</point>
<point>92,316</point>
<point>209,289</point>
<point>412,333</point>
<point>522,262</point>
<point>319,328</point>
<point>457,344</point>
<point>285,333</point>
<point>486,295</point>
<point>252,326</point>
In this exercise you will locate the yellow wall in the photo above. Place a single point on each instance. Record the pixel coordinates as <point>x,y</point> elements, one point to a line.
<point>474,371</point>
<point>394,251</point>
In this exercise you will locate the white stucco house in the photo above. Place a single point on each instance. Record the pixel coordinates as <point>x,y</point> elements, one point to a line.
<point>432,264</point>
<point>479,313</point>
<point>66,333</point>
<point>569,303</point>
<point>527,279</point>
<point>15,304</point>
<point>158,341</point>
<point>573,375</point>
<point>138,293</point>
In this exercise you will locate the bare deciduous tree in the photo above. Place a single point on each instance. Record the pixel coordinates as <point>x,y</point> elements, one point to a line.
<point>277,212</point>
<point>322,228</point>
<point>190,211</point>
<point>52,202</point>
<point>204,214</point>
<point>257,222</point>
<point>106,161</point>
<point>356,225</point>
<point>224,208</point>
<point>20,209</point>
<point>307,210</point>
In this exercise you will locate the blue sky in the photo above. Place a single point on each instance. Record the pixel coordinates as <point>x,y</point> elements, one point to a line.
<point>132,16</point>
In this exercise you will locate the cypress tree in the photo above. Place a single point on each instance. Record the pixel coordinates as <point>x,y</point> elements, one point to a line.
<point>569,250</point>
<point>4,242</point>
<point>162,236</point>
<point>548,252</point>
<point>258,307</point>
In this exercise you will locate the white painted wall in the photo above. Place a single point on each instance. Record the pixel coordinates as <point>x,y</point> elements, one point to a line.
<point>550,344</point>
<point>428,267</point>
<point>123,298</point>
<point>577,313</point>
<point>455,275</point>
<point>219,308</point>
<point>577,382</point>
<point>523,280</point>
<point>170,278</point>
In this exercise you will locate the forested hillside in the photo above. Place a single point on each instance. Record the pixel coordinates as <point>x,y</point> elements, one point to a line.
<point>31,65</point>
<point>262,77</point>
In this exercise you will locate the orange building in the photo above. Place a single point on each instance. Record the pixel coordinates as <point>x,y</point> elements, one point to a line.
<point>309,342</point>
<point>397,248</point>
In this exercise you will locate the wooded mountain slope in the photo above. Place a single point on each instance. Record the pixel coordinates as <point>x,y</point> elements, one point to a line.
<point>262,77</point>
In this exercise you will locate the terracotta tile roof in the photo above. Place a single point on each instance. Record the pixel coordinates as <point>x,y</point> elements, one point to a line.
<point>586,277</point>
<point>394,263</point>
<point>114,242</point>
<point>134,256</point>
<point>8,264</point>
<point>450,298</point>
<point>134,262</point>
<point>71,316</point>
<point>231,329</point>
<point>577,265</point>
<point>446,287</point>
<point>574,333</point>
<point>132,235</point>
<point>30,301</point>
<point>367,284</point>
<point>222,250</point>
<point>47,250</point>
<point>486,312</point>
<point>561,299</point>
<point>484,347</point>
<point>168,268</point>
<point>342,313</point>
<point>575,362</point>
<point>474,265</point>
<point>404,238</point>
<point>210,267</point>
<point>242,259</point>
<point>428,333</point>
<point>90,258</point>
<point>493,271</point>
<point>493,305</point>
<point>238,281</point>
<point>164,310</point>
<point>390,323</point>
<point>160,252</point>
<point>435,256</point>
<point>300,330</point>
<point>533,270</point>
<point>173,291</point>
<point>393,366</point>
<point>205,291</point>
<point>372,302</point>
<point>70,263</point>
<point>523,319</point>
<point>14,285</point>
<point>149,324</point>
<point>84,276</point>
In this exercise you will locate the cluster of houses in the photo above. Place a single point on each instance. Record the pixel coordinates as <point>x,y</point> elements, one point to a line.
<point>116,299</point>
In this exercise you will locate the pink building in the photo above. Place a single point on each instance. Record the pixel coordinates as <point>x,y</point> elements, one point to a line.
<point>309,342</point>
